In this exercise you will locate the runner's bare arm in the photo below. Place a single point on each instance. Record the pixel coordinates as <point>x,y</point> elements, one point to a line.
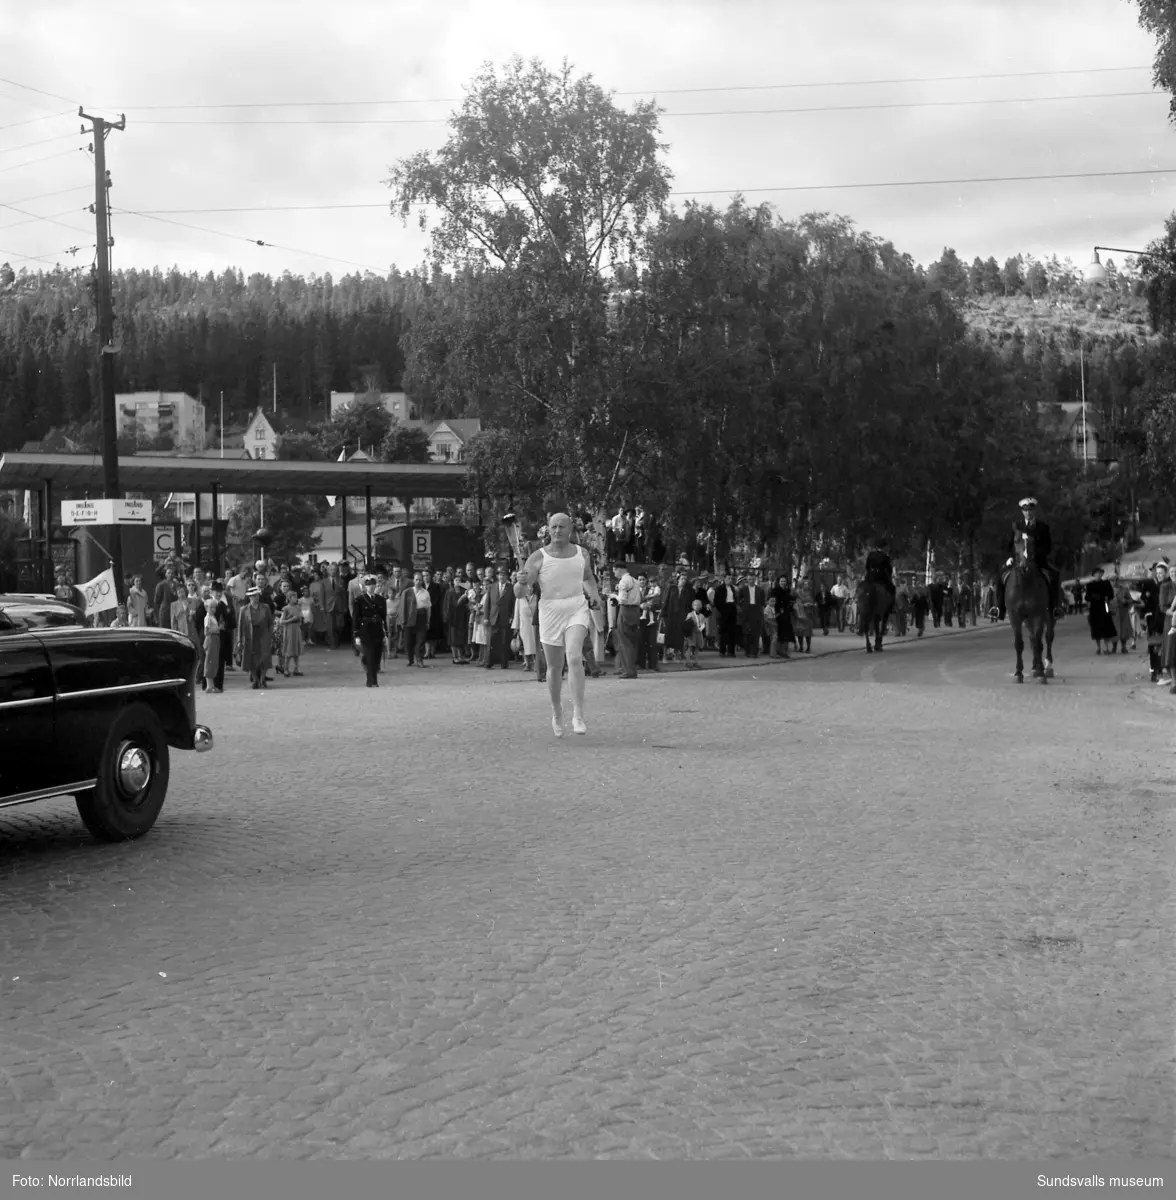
<point>529,575</point>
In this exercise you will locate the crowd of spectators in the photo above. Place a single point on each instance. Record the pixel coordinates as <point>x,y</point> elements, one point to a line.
<point>262,616</point>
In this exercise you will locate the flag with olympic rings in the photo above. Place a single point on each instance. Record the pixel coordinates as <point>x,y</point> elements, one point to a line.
<point>99,593</point>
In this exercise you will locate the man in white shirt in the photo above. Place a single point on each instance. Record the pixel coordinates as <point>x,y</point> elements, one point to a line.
<point>420,632</point>
<point>238,587</point>
<point>628,621</point>
<point>840,594</point>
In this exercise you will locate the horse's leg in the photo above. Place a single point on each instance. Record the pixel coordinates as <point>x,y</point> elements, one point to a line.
<point>879,626</point>
<point>1037,632</point>
<point>1049,640</point>
<point>1019,646</point>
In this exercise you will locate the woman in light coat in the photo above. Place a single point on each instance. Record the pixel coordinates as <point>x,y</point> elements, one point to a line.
<point>138,606</point>
<point>524,626</point>
<point>180,616</point>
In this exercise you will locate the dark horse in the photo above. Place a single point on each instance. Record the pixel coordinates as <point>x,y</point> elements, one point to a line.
<point>1027,602</point>
<point>873,604</point>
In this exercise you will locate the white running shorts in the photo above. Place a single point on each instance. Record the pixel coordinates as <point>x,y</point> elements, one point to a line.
<point>556,617</point>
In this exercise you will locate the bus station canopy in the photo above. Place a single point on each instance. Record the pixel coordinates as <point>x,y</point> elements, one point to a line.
<point>237,476</point>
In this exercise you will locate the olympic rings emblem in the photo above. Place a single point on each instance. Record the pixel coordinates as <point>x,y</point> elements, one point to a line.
<point>98,590</point>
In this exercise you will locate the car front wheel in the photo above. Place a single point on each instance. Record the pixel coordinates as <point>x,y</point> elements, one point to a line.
<point>132,778</point>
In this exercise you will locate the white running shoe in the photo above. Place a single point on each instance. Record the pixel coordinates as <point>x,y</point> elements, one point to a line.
<point>556,725</point>
<point>578,725</point>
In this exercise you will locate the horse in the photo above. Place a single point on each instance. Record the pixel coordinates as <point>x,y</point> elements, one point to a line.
<point>1027,603</point>
<point>874,603</point>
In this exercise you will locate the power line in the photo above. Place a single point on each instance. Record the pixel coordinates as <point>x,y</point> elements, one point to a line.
<point>26,88</point>
<point>808,187</point>
<point>720,112</point>
<point>239,237</point>
<point>49,258</point>
<point>895,183</point>
<point>37,217</point>
<point>33,161</point>
<point>85,187</point>
<point>34,120</point>
<point>28,145</point>
<point>50,217</point>
<point>758,87</point>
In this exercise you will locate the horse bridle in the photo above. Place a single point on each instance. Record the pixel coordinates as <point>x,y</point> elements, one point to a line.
<point>1024,561</point>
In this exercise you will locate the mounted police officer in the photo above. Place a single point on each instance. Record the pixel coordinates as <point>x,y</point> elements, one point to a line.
<point>369,618</point>
<point>879,568</point>
<point>1028,523</point>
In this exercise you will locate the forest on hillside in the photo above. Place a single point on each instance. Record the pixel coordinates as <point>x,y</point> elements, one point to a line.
<point>197,334</point>
<point>225,333</point>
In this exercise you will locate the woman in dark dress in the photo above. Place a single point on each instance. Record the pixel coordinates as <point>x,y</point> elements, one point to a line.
<point>457,619</point>
<point>679,599</point>
<point>1100,597</point>
<point>785,634</point>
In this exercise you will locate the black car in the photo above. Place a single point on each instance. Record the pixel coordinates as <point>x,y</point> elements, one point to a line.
<point>92,713</point>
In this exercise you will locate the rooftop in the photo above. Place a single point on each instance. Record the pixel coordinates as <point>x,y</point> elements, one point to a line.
<point>237,476</point>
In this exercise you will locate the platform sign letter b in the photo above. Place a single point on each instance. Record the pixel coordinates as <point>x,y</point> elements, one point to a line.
<point>422,542</point>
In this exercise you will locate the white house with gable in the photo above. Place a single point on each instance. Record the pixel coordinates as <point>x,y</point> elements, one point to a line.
<point>262,438</point>
<point>448,439</point>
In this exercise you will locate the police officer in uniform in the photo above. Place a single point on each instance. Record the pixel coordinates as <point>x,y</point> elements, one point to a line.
<point>879,568</point>
<point>1042,545</point>
<point>369,619</point>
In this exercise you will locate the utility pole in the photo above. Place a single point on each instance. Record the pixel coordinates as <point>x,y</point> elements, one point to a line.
<point>106,347</point>
<point>1082,378</point>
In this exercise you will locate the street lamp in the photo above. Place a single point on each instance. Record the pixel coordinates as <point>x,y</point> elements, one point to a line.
<point>1097,273</point>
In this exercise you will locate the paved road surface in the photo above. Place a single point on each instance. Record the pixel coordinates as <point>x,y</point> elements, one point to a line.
<point>846,907</point>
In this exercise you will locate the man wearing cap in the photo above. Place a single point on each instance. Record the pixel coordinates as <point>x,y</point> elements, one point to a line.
<point>226,619</point>
<point>879,568</point>
<point>1042,545</point>
<point>369,618</point>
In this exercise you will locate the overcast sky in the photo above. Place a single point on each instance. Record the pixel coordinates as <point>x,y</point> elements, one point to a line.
<point>385,74</point>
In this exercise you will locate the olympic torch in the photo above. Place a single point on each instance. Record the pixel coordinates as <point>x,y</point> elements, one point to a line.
<point>515,537</point>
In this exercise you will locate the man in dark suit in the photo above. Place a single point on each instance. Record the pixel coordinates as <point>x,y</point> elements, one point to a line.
<point>751,599</point>
<point>164,598</point>
<point>935,596</point>
<point>227,620</point>
<point>436,590</point>
<point>498,607</point>
<point>728,608</point>
<point>369,621</point>
<point>647,624</point>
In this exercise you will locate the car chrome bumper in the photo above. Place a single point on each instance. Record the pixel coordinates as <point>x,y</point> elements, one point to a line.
<point>202,738</point>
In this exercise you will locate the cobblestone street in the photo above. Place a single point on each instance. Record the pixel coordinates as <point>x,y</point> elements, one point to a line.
<point>842,907</point>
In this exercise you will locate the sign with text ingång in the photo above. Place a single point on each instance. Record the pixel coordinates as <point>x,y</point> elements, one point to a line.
<point>105,512</point>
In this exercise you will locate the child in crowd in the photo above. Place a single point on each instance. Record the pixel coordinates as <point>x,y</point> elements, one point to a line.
<point>212,650</point>
<point>771,627</point>
<point>291,625</point>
